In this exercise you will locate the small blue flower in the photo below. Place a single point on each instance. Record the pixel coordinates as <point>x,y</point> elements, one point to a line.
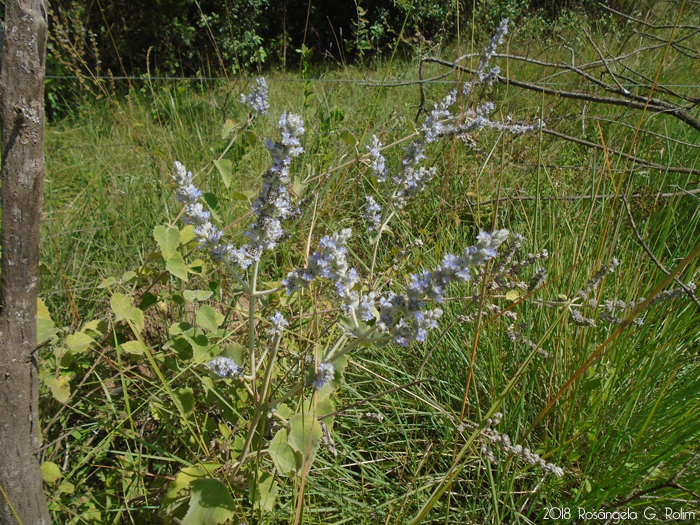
<point>326,374</point>
<point>225,367</point>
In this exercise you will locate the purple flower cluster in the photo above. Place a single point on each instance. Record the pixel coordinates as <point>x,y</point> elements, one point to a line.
<point>272,205</point>
<point>258,98</point>
<point>326,374</point>
<point>328,262</point>
<point>225,367</point>
<point>401,315</point>
<point>441,123</point>
<point>187,193</point>
<point>373,213</point>
<point>400,187</point>
<point>484,75</point>
<point>279,323</point>
<point>434,126</point>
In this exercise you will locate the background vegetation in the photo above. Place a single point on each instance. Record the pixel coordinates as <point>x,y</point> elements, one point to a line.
<point>625,430</point>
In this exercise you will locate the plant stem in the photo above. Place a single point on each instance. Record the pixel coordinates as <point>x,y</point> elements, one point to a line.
<point>261,404</point>
<point>251,324</point>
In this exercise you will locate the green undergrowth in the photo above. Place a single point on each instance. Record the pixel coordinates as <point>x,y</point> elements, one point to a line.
<point>118,433</point>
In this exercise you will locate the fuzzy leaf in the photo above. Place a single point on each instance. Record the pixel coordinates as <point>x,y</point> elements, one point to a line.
<point>66,487</point>
<point>512,296</point>
<point>45,327</point>
<point>184,397</point>
<point>265,493</point>
<point>211,503</point>
<point>187,234</point>
<point>181,485</point>
<point>282,454</point>
<point>228,126</point>
<point>60,387</point>
<point>107,282</point>
<point>134,347</point>
<point>42,310</point>
<point>50,471</point>
<point>239,196</point>
<point>304,433</point>
<point>298,186</point>
<point>209,318</point>
<point>348,138</point>
<point>224,166</point>
<point>168,239</point>
<point>235,351</point>
<point>128,277</point>
<point>250,137</point>
<point>197,295</point>
<point>124,310</point>
<point>98,326</point>
<point>176,266</point>
<point>78,342</point>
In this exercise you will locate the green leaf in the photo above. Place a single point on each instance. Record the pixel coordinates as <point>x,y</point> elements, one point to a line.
<point>282,454</point>
<point>97,326</point>
<point>239,196</point>
<point>324,407</point>
<point>209,318</point>
<point>176,266</point>
<point>211,503</point>
<point>202,351</point>
<point>107,282</point>
<point>181,485</point>
<point>348,138</point>
<point>45,329</point>
<point>60,387</point>
<point>265,493</point>
<point>512,296</point>
<point>228,126</point>
<point>124,310</point>
<point>66,487</point>
<point>298,186</point>
<point>134,347</point>
<point>78,342</point>
<point>224,166</point>
<point>304,433</point>
<point>250,137</point>
<point>211,200</point>
<point>187,234</point>
<point>236,352</point>
<point>147,300</point>
<point>168,239</point>
<point>50,471</point>
<point>42,310</point>
<point>128,277</point>
<point>184,397</point>
<point>197,295</point>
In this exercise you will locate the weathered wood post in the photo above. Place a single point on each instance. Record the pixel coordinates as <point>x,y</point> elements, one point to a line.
<point>22,105</point>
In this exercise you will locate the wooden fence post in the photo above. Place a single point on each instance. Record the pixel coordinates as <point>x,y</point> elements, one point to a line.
<point>22,496</point>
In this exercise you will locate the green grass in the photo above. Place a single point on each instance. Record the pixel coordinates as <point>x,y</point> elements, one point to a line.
<point>629,423</point>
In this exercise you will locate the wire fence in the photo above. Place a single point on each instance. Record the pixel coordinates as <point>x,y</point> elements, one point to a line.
<point>394,82</point>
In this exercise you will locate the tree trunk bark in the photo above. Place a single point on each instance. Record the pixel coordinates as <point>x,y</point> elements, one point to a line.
<point>22,90</point>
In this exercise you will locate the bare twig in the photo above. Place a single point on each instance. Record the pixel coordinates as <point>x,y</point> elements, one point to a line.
<point>630,101</point>
<point>527,198</point>
<point>671,483</point>
<point>652,256</point>
<point>636,160</point>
